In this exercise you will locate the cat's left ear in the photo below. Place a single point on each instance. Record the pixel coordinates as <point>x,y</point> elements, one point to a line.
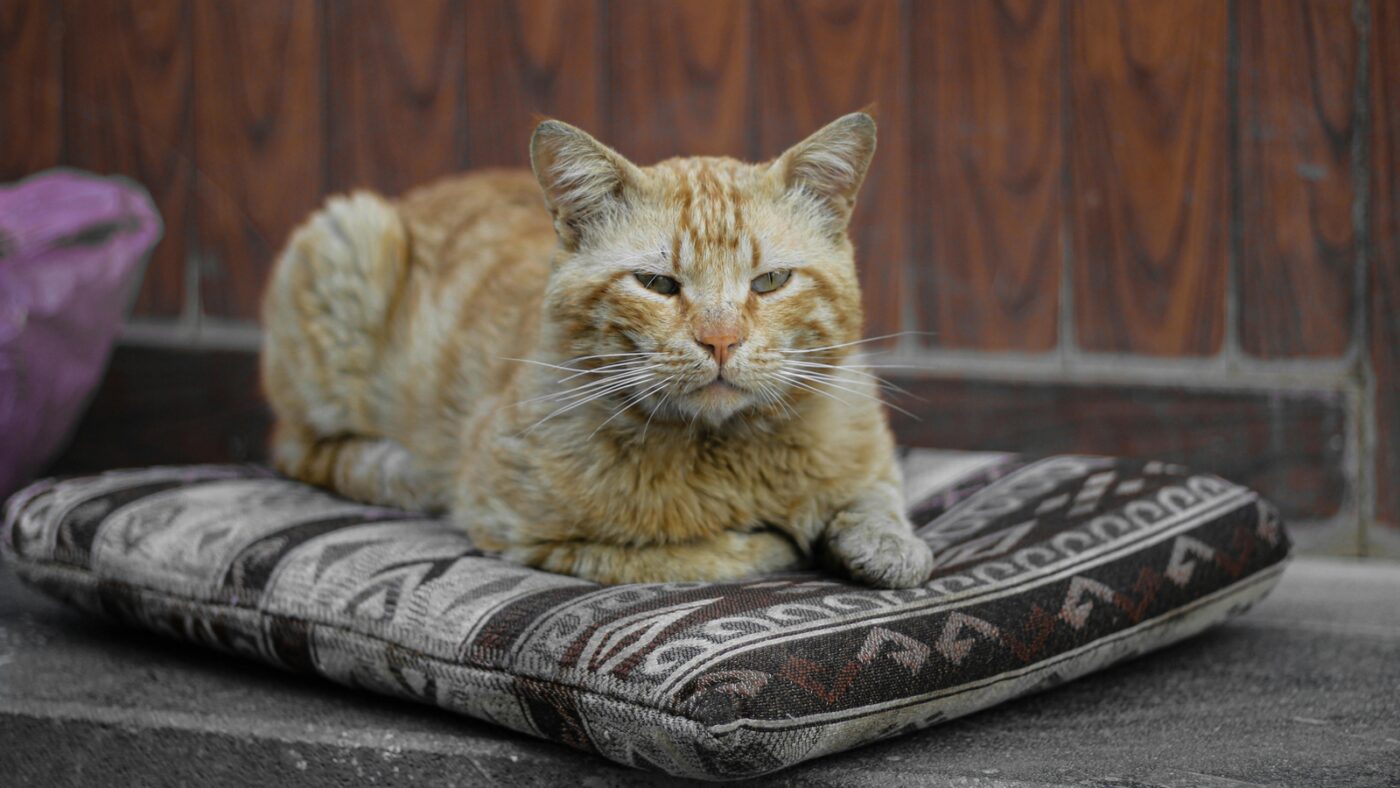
<point>584,181</point>
<point>830,165</point>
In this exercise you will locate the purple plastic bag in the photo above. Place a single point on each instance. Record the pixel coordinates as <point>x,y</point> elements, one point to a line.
<point>72,248</point>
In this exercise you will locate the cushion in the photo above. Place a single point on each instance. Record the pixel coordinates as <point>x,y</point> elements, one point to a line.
<point>1047,569</point>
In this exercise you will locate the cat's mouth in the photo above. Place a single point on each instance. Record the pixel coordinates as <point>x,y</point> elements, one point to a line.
<point>716,400</point>
<point>719,387</point>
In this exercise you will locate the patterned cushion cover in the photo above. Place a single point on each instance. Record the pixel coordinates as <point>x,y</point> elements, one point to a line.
<point>1046,570</point>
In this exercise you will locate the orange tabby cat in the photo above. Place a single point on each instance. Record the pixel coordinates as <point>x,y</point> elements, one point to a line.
<point>656,385</point>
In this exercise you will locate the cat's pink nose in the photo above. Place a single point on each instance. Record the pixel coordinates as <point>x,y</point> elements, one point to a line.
<point>721,343</point>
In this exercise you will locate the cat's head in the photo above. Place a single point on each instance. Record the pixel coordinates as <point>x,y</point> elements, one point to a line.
<point>703,287</point>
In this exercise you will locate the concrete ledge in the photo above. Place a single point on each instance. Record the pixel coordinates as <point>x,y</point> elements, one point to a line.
<point>1304,690</point>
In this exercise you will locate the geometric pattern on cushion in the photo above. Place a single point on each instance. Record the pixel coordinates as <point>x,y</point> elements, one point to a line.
<point>1047,570</point>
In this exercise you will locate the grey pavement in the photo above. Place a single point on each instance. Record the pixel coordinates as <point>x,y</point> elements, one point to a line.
<point>1304,690</point>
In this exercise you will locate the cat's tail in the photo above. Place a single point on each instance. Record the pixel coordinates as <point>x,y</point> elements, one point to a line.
<point>328,315</point>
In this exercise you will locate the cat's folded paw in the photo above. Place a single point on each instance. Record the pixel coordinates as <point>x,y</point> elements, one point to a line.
<point>879,550</point>
<point>764,552</point>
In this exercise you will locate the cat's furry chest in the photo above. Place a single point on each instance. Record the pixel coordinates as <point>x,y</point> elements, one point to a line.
<point>677,485</point>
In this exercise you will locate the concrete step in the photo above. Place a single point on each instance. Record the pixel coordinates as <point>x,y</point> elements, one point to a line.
<point>1304,690</point>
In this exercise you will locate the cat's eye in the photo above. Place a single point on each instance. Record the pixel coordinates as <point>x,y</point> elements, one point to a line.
<point>657,283</point>
<point>767,283</point>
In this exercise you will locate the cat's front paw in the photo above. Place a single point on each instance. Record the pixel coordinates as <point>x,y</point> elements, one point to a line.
<point>878,549</point>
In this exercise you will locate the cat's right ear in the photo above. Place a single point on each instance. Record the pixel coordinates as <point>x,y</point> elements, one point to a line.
<point>584,181</point>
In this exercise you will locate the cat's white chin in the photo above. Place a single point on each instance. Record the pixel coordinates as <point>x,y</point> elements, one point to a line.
<point>719,387</point>
<point>717,400</point>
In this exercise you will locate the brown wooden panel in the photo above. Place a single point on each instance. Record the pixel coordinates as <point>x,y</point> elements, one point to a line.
<point>1147,144</point>
<point>527,59</point>
<point>1290,446</point>
<point>31,87</point>
<point>821,60</point>
<point>1297,72</point>
<point>987,127</point>
<point>1385,259</point>
<point>678,78</point>
<point>396,82</point>
<point>127,109</point>
<point>258,140</point>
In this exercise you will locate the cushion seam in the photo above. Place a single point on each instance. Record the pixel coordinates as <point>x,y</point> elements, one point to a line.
<point>92,579</point>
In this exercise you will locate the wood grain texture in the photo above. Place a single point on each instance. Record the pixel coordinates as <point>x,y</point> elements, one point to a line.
<point>128,109</point>
<point>31,87</point>
<point>678,78</point>
<point>1290,446</point>
<point>821,60</point>
<point>528,59</point>
<point>1147,144</point>
<point>1297,77</point>
<point>987,88</point>
<point>258,113</point>
<point>1385,256</point>
<point>396,82</point>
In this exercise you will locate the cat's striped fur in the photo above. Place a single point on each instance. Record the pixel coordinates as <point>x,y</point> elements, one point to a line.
<point>464,348</point>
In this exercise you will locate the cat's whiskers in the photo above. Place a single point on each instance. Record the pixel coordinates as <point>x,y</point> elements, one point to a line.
<point>592,396</point>
<point>609,379</point>
<point>694,417</point>
<point>816,390</point>
<point>859,369</point>
<point>629,402</point>
<point>855,342</point>
<point>614,355</point>
<point>541,364</point>
<point>635,362</point>
<point>771,395</point>
<point>626,376</point>
<point>852,365</point>
<point>797,378</point>
<point>547,364</point>
<point>659,402</point>
<point>605,369</point>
